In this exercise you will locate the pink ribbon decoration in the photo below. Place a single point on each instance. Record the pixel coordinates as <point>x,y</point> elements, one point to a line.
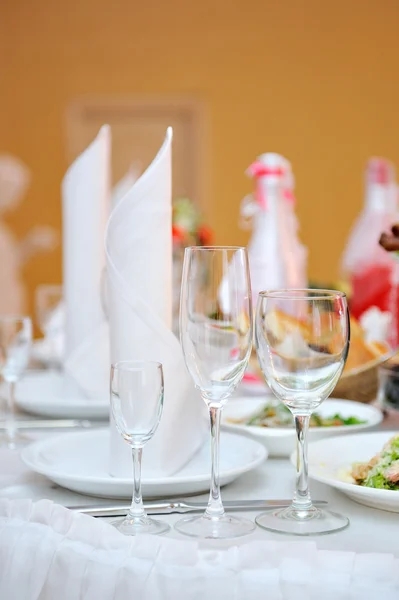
<point>258,170</point>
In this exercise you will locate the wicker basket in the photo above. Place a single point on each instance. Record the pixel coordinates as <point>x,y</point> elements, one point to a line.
<point>361,384</point>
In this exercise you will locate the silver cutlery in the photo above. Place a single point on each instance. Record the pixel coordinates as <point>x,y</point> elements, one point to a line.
<point>180,506</point>
<point>54,424</point>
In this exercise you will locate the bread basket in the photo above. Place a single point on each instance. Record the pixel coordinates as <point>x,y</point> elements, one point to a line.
<point>361,384</point>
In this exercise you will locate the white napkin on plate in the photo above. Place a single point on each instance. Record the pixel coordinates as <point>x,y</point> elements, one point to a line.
<point>139,264</point>
<point>48,552</point>
<point>50,348</point>
<point>85,203</point>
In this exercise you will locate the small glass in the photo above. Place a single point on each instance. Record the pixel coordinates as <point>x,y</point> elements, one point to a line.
<point>137,392</point>
<point>302,340</point>
<point>47,299</point>
<point>15,345</point>
<point>216,335</point>
<point>388,386</point>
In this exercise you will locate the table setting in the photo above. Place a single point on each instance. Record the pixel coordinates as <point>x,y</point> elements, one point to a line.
<point>227,462</point>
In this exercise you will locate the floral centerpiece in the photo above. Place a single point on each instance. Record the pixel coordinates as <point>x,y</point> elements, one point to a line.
<point>188,229</point>
<point>340,285</point>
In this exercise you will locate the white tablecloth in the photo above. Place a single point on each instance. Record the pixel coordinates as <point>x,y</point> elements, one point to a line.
<point>370,530</point>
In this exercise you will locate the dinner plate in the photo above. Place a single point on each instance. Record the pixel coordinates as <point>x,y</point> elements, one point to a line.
<point>280,441</point>
<point>54,394</point>
<point>330,461</point>
<point>79,462</point>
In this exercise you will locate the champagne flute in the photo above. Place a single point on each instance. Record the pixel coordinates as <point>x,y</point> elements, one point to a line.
<point>15,344</point>
<point>302,341</point>
<point>216,335</point>
<point>137,391</point>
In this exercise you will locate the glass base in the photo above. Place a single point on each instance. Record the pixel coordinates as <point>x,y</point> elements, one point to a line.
<point>294,522</point>
<point>221,528</point>
<point>14,442</point>
<point>141,525</point>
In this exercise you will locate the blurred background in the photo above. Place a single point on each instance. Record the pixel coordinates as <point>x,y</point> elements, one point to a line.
<point>314,81</point>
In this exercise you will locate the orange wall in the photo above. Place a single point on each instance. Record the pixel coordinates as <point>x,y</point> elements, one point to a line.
<point>316,81</point>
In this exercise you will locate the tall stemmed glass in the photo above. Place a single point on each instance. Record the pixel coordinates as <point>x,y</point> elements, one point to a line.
<point>216,336</point>
<point>15,345</point>
<point>302,340</point>
<point>137,391</point>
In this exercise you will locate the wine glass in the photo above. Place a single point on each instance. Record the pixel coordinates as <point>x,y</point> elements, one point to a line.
<point>15,344</point>
<point>137,391</point>
<point>216,335</point>
<point>47,299</point>
<point>302,341</point>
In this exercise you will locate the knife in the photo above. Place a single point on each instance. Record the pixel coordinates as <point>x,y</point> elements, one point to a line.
<point>52,424</point>
<point>180,506</point>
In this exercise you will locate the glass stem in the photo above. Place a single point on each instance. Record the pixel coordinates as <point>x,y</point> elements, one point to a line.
<point>302,500</point>
<point>215,507</point>
<point>11,425</point>
<point>136,510</point>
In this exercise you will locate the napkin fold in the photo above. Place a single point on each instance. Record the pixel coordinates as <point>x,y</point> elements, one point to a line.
<point>85,204</point>
<point>50,348</point>
<point>139,266</point>
<point>123,296</point>
<point>122,187</point>
<point>47,552</point>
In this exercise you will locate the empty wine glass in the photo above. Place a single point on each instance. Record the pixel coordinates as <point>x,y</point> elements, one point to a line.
<point>15,344</point>
<point>302,341</point>
<point>48,299</point>
<point>137,391</point>
<point>216,336</point>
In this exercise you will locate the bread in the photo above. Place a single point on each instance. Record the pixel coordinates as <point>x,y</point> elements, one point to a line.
<point>361,352</point>
<point>279,324</point>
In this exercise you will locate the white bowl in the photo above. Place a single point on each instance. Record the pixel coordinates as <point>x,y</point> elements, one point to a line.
<point>330,462</point>
<point>281,441</point>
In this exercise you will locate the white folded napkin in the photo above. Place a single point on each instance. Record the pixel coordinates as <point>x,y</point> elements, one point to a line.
<point>139,265</point>
<point>50,348</point>
<point>85,202</point>
<point>48,552</point>
<point>376,324</point>
<point>124,185</point>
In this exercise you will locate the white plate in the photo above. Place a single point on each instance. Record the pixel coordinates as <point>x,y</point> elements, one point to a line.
<point>331,459</point>
<point>79,462</point>
<point>280,441</point>
<point>53,394</point>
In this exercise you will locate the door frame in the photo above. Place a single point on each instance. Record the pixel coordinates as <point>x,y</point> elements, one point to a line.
<point>180,106</point>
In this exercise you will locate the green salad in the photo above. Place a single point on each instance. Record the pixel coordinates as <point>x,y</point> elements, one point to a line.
<point>382,471</point>
<point>278,415</point>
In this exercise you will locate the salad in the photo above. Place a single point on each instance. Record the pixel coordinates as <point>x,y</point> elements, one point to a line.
<point>382,471</point>
<point>278,415</point>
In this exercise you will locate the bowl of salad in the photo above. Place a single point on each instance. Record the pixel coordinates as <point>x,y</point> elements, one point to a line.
<point>365,467</point>
<point>269,421</point>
